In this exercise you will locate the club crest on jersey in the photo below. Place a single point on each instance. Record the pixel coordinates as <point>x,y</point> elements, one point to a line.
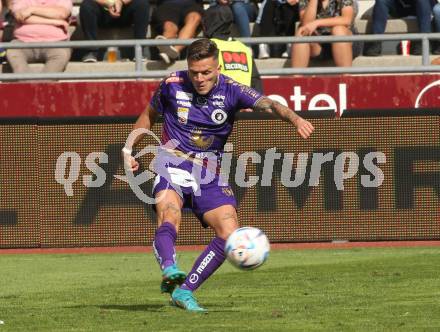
<point>219,116</point>
<point>182,114</point>
<point>184,95</point>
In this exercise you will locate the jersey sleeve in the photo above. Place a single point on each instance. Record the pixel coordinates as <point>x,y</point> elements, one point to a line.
<point>157,102</point>
<point>244,96</point>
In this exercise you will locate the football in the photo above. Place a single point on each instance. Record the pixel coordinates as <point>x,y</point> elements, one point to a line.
<point>247,248</point>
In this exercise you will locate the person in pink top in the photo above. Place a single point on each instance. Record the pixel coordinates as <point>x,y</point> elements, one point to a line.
<point>40,21</point>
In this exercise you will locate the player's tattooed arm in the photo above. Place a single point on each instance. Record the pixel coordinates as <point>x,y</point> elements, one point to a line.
<point>304,127</point>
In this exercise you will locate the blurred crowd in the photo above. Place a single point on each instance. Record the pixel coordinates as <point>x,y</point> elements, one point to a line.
<point>24,21</point>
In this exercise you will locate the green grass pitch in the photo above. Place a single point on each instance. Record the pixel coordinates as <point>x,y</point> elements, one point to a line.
<point>374,289</point>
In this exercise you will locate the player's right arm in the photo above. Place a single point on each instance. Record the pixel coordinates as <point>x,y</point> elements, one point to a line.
<point>304,127</point>
<point>146,120</point>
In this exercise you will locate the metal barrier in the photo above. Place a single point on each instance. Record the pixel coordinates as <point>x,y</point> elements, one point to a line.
<point>141,73</point>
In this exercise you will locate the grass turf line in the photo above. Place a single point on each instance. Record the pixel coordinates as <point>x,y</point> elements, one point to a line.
<point>362,289</point>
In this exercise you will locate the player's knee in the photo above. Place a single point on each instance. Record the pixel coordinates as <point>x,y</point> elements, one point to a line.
<point>228,225</point>
<point>170,213</point>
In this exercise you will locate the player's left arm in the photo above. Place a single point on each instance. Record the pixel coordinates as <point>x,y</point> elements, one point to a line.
<point>304,127</point>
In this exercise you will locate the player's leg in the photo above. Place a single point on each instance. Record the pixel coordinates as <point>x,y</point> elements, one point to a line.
<point>168,209</point>
<point>224,221</point>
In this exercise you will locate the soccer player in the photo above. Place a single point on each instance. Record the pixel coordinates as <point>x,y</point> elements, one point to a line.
<point>198,107</point>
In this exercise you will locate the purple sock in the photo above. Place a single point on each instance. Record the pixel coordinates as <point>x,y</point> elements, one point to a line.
<point>163,244</point>
<point>206,264</point>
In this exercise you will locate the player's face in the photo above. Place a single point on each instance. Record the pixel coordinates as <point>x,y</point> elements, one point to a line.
<point>203,74</point>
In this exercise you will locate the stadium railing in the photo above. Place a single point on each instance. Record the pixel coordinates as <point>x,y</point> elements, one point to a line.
<point>140,71</point>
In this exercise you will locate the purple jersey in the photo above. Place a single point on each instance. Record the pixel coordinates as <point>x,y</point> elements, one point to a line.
<point>200,123</point>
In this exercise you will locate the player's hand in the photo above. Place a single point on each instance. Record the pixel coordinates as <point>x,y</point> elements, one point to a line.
<point>129,161</point>
<point>304,127</point>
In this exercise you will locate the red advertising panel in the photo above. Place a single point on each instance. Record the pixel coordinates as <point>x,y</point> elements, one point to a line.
<point>129,98</point>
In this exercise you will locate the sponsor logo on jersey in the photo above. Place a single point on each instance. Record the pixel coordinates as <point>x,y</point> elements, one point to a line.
<point>219,116</point>
<point>184,103</point>
<point>184,95</point>
<point>174,79</point>
<point>182,114</point>
<point>235,61</point>
<point>199,140</point>
<point>249,91</point>
<point>221,97</point>
<point>218,103</point>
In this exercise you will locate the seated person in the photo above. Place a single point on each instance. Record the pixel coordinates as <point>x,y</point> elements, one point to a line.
<point>276,18</point>
<point>244,12</point>
<point>2,50</point>
<point>40,21</point>
<point>112,13</point>
<point>399,8</point>
<point>176,19</point>
<point>326,17</point>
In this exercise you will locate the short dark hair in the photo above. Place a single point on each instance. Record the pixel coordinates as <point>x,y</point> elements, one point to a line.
<point>201,49</point>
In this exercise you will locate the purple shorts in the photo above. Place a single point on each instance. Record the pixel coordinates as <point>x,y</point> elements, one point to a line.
<point>197,196</point>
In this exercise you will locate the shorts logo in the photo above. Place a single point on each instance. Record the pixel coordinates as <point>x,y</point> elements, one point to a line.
<point>219,116</point>
<point>182,114</point>
<point>228,192</point>
<point>193,278</point>
<point>184,95</point>
<point>235,61</point>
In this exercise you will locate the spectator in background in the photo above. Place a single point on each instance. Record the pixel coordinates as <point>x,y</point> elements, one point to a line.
<point>2,22</point>
<point>436,61</point>
<point>422,9</point>
<point>436,13</point>
<point>328,17</point>
<point>235,58</point>
<point>276,18</point>
<point>176,19</point>
<point>112,13</point>
<point>40,21</point>
<point>244,12</point>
